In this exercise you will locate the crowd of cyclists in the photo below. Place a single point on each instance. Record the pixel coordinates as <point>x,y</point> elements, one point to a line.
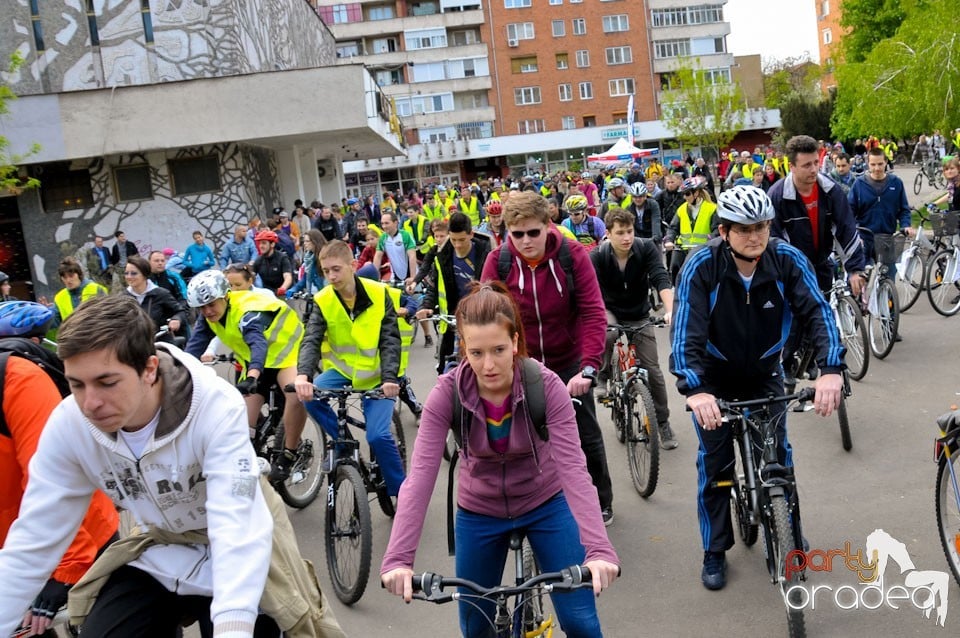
<point>533,267</point>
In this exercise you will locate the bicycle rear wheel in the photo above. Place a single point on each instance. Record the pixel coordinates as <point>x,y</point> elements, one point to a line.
<point>941,287</point>
<point>886,321</point>
<point>348,534</point>
<point>948,511</point>
<point>781,544</point>
<point>910,279</point>
<point>853,334</point>
<point>643,439</point>
<point>302,486</point>
<point>940,179</point>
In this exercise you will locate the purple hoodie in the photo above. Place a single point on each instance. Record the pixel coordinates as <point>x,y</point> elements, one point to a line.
<point>530,473</point>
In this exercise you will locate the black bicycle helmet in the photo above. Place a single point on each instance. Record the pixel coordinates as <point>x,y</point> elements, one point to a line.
<point>24,319</point>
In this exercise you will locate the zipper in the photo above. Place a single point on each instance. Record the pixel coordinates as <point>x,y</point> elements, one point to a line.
<point>150,496</point>
<point>503,485</point>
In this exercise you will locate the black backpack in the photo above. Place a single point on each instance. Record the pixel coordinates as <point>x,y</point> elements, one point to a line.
<point>31,351</point>
<point>564,257</point>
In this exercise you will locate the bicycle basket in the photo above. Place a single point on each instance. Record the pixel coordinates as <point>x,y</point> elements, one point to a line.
<point>888,247</point>
<point>944,224</point>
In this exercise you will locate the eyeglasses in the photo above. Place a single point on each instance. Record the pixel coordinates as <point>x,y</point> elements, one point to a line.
<point>757,230</point>
<point>533,233</point>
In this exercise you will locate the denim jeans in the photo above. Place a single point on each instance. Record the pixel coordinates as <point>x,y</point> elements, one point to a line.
<point>482,548</point>
<point>377,414</point>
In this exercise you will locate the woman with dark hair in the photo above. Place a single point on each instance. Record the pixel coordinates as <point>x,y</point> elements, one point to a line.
<point>156,301</point>
<point>311,275</point>
<point>511,477</point>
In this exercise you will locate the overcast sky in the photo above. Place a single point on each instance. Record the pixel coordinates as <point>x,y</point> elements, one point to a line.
<point>774,28</point>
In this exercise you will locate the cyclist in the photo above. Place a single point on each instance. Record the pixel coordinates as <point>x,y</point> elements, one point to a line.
<point>734,302</point>
<point>646,214</point>
<point>273,266</point>
<point>493,224</point>
<point>617,196</point>
<point>458,262</point>
<point>76,290</point>
<point>510,478</point>
<point>208,548</point>
<point>587,229</point>
<point>693,225</point>
<point>264,333</point>
<point>626,267</point>
<point>29,397</point>
<point>399,247</point>
<point>354,330</point>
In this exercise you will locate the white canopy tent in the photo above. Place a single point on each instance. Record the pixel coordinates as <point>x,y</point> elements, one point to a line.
<point>621,152</point>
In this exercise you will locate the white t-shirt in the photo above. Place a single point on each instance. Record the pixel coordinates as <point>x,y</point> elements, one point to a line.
<point>138,440</point>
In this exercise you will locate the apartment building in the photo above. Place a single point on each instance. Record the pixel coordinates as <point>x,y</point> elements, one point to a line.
<point>830,33</point>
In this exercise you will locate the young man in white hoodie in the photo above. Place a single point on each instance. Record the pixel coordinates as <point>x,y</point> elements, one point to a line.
<point>165,438</point>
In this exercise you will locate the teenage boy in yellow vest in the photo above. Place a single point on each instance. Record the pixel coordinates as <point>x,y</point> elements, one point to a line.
<point>354,330</point>
<point>76,290</point>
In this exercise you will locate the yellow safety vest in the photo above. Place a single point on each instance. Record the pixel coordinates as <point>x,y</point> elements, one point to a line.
<point>781,165</point>
<point>470,209</point>
<point>566,232</point>
<point>494,196</point>
<point>433,210</point>
<point>283,335</point>
<point>352,346</point>
<point>699,233</point>
<point>747,169</point>
<point>406,331</point>
<point>65,304</point>
<point>448,203</point>
<point>890,149</point>
<point>420,237</point>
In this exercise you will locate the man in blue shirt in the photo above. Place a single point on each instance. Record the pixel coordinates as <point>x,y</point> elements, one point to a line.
<point>240,250</point>
<point>197,257</point>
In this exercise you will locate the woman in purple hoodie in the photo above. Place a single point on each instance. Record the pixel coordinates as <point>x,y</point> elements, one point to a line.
<point>510,478</point>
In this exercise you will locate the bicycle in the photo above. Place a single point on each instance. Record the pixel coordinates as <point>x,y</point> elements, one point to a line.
<point>911,267</point>
<point>932,170</point>
<point>632,409</point>
<point>348,531</point>
<point>942,277</point>
<point>883,304</point>
<point>763,493</point>
<point>945,454</point>
<point>525,618</point>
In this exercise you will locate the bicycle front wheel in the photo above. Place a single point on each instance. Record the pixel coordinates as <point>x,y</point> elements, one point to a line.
<point>941,283</point>
<point>918,183</point>
<point>885,322</point>
<point>643,439</point>
<point>302,486</point>
<point>781,544</point>
<point>533,604</point>
<point>948,512</point>
<point>910,281</point>
<point>853,334</point>
<point>940,179</point>
<point>845,438</point>
<point>348,534</point>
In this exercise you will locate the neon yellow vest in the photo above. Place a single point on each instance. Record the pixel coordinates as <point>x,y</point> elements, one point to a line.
<point>470,210</point>
<point>65,304</point>
<point>420,237</point>
<point>433,210</point>
<point>352,346</point>
<point>700,232</point>
<point>283,335</point>
<point>406,331</point>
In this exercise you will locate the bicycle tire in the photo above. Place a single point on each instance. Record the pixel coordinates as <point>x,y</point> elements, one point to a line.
<point>533,609</point>
<point>948,514</point>
<point>618,413</point>
<point>348,534</point>
<point>853,334</point>
<point>918,183</point>
<point>910,280</point>
<point>302,486</point>
<point>643,439</point>
<point>844,419</point>
<point>885,323</point>
<point>740,503</point>
<point>943,293</point>
<point>940,180</point>
<point>782,543</point>
<point>397,432</point>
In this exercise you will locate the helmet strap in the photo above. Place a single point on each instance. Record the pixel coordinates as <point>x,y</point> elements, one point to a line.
<point>740,256</point>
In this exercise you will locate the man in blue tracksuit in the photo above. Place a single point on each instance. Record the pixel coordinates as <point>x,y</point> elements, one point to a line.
<point>735,300</point>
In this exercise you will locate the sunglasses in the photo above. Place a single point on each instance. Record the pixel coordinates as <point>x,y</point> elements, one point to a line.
<point>533,233</point>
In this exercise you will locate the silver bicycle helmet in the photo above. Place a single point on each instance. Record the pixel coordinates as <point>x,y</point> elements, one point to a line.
<point>615,182</point>
<point>639,189</point>
<point>745,205</point>
<point>206,287</point>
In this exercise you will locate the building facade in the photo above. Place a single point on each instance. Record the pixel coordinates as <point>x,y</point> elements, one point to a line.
<point>829,33</point>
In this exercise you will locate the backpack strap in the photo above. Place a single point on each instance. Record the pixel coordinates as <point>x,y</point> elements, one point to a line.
<point>4,428</point>
<point>534,396</point>
<point>566,262</point>
<point>503,262</point>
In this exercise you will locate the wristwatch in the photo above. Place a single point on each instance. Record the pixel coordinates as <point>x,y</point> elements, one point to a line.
<point>589,372</point>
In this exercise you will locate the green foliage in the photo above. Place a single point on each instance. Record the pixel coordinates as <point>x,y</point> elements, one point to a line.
<point>867,22</point>
<point>700,113</point>
<point>788,78</point>
<point>802,116</point>
<point>10,180</point>
<point>908,82</point>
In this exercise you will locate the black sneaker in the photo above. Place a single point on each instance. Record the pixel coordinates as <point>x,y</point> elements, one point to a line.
<point>427,341</point>
<point>714,573</point>
<point>607,513</point>
<point>280,471</point>
<point>667,440</point>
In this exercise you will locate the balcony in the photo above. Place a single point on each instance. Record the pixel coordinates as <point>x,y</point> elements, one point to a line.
<point>381,28</point>
<point>454,85</point>
<point>449,118</point>
<point>715,61</point>
<point>712,30</point>
<point>677,4</point>
<point>418,56</point>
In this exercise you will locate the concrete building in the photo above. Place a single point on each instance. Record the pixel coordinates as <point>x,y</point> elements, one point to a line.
<point>829,34</point>
<point>747,71</point>
<point>160,118</point>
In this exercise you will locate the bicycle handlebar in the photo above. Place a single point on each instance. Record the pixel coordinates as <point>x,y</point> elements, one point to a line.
<point>332,393</point>
<point>657,322</point>
<point>804,395</point>
<point>430,587</point>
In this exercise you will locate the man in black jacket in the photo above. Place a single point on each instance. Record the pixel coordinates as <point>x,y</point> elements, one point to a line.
<point>122,249</point>
<point>458,262</point>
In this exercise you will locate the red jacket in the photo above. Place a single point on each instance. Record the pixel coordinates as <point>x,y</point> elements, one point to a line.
<point>29,396</point>
<point>560,329</point>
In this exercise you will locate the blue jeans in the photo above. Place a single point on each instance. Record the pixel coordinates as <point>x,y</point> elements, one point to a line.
<point>482,547</point>
<point>377,414</point>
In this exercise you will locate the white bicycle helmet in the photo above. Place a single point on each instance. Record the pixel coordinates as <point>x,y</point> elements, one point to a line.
<point>745,205</point>
<point>639,189</point>
<point>615,182</point>
<point>206,287</point>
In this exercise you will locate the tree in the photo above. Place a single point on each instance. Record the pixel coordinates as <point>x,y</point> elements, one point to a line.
<point>10,180</point>
<point>802,116</point>
<point>908,82</point>
<point>699,110</point>
<point>788,78</point>
<point>867,22</point>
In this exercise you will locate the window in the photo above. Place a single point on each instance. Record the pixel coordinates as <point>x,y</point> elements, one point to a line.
<point>348,50</point>
<point>706,46</point>
<point>566,92</point>
<point>579,26</point>
<point>341,13</point>
<point>194,175</point>
<point>612,24</point>
<point>384,45</point>
<point>526,64</point>
<point>619,55</point>
<point>576,1</point>
<point>563,61</point>
<point>621,87</point>
<point>388,78</point>
<point>825,8</point>
<point>425,39</point>
<point>531,126</point>
<point>424,9</point>
<point>92,24</point>
<point>586,90</point>
<point>132,183</point>
<point>520,31</point>
<point>516,4</point>
<point>475,130</point>
<point>556,2</point>
<point>463,38</point>
<point>568,122</point>
<point>526,95</point>
<point>717,76</point>
<point>145,15</point>
<point>381,13</point>
<point>583,58</point>
<point>425,104</point>
<point>670,48</point>
<point>702,14</point>
<point>559,30</point>
<point>589,121</point>
<point>63,189</point>
<point>827,36</point>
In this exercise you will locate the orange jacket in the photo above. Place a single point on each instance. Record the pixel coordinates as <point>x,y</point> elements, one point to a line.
<point>29,396</point>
